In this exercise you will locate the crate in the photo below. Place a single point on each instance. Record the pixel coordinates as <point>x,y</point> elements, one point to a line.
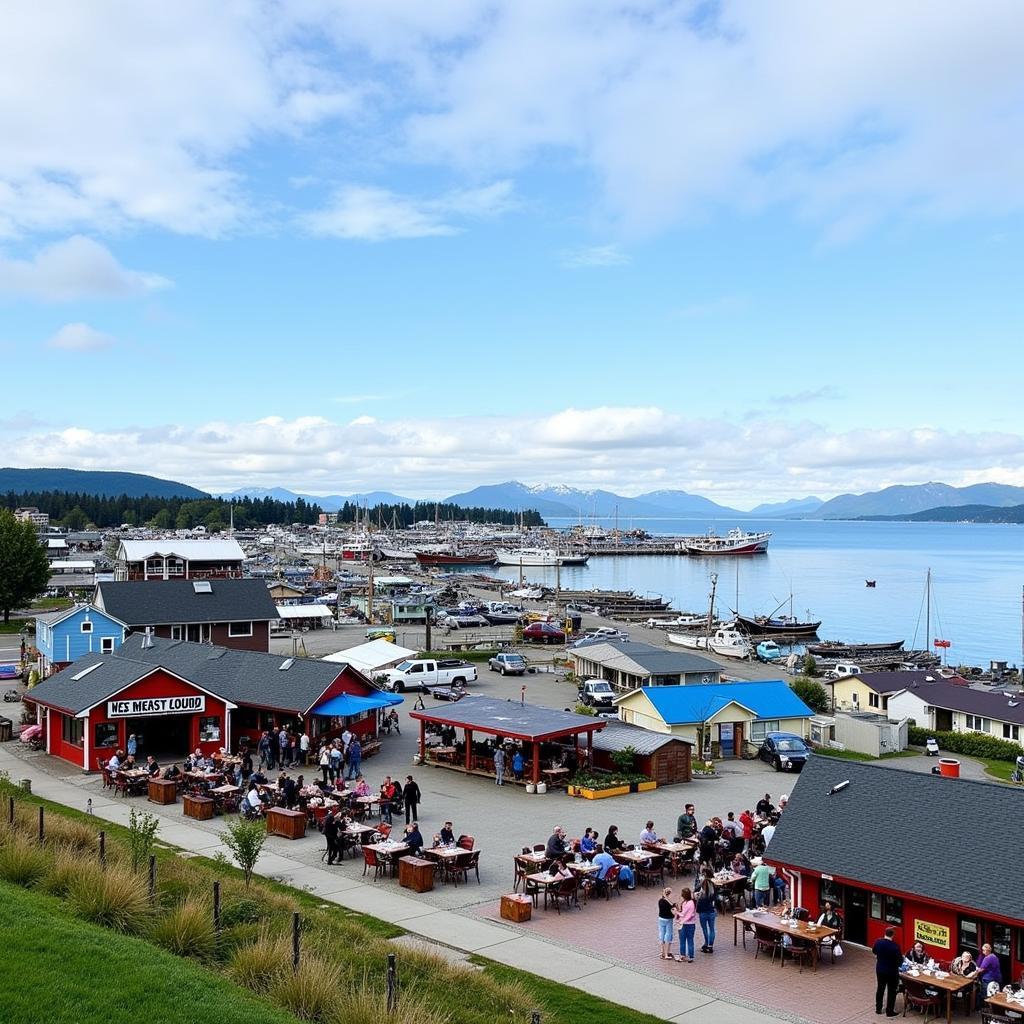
<point>198,807</point>
<point>516,907</point>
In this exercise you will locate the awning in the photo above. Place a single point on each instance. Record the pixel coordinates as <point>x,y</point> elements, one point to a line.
<point>346,705</point>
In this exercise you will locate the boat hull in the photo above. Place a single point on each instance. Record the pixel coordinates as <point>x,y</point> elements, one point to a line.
<point>781,626</point>
<point>438,558</point>
<point>538,559</point>
<point>693,643</point>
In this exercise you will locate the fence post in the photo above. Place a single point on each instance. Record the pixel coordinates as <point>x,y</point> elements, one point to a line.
<point>535,1017</point>
<point>40,826</point>
<point>152,877</point>
<point>296,930</point>
<point>103,849</point>
<point>216,907</point>
<point>392,984</point>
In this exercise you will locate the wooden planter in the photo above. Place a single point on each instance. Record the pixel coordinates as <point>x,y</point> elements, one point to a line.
<point>646,787</point>
<point>600,794</point>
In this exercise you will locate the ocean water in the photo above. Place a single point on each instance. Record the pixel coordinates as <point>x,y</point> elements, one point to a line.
<point>977,578</point>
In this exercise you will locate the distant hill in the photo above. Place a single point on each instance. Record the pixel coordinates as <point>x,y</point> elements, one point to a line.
<point>904,500</point>
<point>794,507</point>
<point>958,514</point>
<point>511,496</point>
<point>96,482</point>
<point>328,502</point>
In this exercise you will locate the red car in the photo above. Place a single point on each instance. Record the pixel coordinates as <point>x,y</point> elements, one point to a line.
<point>543,633</point>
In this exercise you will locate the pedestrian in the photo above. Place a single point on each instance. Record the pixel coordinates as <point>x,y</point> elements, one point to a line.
<point>686,919</point>
<point>666,915</point>
<point>304,748</point>
<point>355,755</point>
<point>411,795</point>
<point>706,912</point>
<point>324,760</point>
<point>334,755</point>
<point>499,766</point>
<point>686,823</point>
<point>133,745</point>
<point>331,835</point>
<point>282,747</point>
<point>395,723</point>
<point>888,958</point>
<point>989,971</point>
<point>387,796</point>
<point>263,749</point>
<point>761,880</point>
<point>517,765</point>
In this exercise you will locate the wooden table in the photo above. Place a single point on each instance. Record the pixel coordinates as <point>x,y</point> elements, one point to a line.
<point>1000,1003</point>
<point>443,753</point>
<point>359,831</point>
<point>950,984</point>
<point>416,873</point>
<point>542,880</point>
<point>556,776</point>
<point>583,869</point>
<point>198,807</point>
<point>162,791</point>
<point>774,923</point>
<point>674,852</point>
<point>633,856</point>
<point>535,857</point>
<point>287,823</point>
<point>388,852</point>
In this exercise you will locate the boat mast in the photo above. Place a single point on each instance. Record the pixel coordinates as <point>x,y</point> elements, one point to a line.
<point>928,610</point>
<point>711,603</point>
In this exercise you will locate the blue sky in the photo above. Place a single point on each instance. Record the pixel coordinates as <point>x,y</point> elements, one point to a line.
<point>337,246</point>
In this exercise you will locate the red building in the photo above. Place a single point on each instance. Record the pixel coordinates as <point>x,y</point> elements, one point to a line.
<point>171,558</point>
<point>176,696</point>
<point>933,857</point>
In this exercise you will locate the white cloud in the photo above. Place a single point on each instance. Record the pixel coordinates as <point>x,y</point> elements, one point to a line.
<point>76,268</point>
<point>628,450</point>
<point>80,337</point>
<point>594,256</point>
<point>375,214</point>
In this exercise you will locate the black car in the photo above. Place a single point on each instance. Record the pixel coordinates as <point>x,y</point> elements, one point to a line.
<point>784,751</point>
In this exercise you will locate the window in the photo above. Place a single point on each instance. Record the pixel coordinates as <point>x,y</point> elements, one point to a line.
<point>968,935</point>
<point>239,629</point>
<point>976,723</point>
<point>154,567</point>
<point>760,727</point>
<point>175,567</point>
<point>105,734</point>
<point>106,645</point>
<point>876,905</point>
<point>86,626</point>
<point>73,730</point>
<point>886,908</point>
<point>873,700</point>
<point>1011,732</point>
<point>175,632</point>
<point>831,891</point>
<point>209,729</point>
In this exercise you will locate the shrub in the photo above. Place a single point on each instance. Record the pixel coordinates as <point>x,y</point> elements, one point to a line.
<point>366,1001</point>
<point>813,694</point>
<point>187,931</point>
<point>624,759</point>
<point>142,829</point>
<point>113,898</point>
<point>76,835</point>
<point>584,709</point>
<point>257,965</point>
<point>245,839</point>
<point>243,911</point>
<point>22,862</point>
<point>973,744</point>
<point>810,666</point>
<point>310,992</point>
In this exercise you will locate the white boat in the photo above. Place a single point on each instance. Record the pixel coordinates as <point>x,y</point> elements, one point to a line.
<point>689,640</point>
<point>735,542</point>
<point>537,556</point>
<point>397,554</point>
<point>729,643</point>
<point>680,622</point>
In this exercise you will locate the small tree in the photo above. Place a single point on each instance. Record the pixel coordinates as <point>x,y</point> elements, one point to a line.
<point>142,829</point>
<point>24,567</point>
<point>812,693</point>
<point>245,839</point>
<point>810,666</point>
<point>625,760</point>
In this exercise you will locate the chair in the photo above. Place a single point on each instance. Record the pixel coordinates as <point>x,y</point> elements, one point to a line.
<point>801,914</point>
<point>473,864</point>
<point>534,890</point>
<point>767,940</point>
<point>120,784</point>
<point>919,997</point>
<point>651,871</point>
<point>108,782</point>
<point>610,883</point>
<point>525,849</point>
<point>831,942</point>
<point>801,950</point>
<point>466,842</point>
<point>458,867</point>
<point>521,869</point>
<point>383,831</point>
<point>371,860</point>
<point>539,848</point>
<point>568,890</point>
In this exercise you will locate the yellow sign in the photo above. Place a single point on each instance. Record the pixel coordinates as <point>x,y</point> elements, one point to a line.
<point>933,934</point>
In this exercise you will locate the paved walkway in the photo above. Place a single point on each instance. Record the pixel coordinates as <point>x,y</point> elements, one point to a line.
<point>548,957</point>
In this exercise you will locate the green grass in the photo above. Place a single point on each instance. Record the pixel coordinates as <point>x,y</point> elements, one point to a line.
<point>64,971</point>
<point>1000,770</point>
<point>14,626</point>
<point>45,603</point>
<point>562,1003</point>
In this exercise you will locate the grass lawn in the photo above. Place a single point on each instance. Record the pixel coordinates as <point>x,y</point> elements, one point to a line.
<point>997,769</point>
<point>64,971</point>
<point>14,626</point>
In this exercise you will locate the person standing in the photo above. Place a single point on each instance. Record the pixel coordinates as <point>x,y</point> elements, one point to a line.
<point>666,915</point>
<point>411,795</point>
<point>324,759</point>
<point>499,766</point>
<point>989,970</point>
<point>706,913</point>
<point>331,835</point>
<point>282,748</point>
<point>888,958</point>
<point>686,919</point>
<point>263,749</point>
<point>355,756</point>
<point>747,821</point>
<point>304,748</point>
<point>761,879</point>
<point>133,745</point>
<point>686,824</point>
<point>517,765</point>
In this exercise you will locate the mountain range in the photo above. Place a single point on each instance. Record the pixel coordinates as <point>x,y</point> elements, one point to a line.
<point>328,502</point>
<point>101,483</point>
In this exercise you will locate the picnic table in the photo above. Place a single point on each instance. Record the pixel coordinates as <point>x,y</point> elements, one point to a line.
<point>805,930</point>
<point>1012,1008</point>
<point>950,984</point>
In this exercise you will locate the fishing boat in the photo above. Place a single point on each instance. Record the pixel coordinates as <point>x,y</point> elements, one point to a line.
<point>691,641</point>
<point>735,542</point>
<point>475,557</point>
<point>729,643</point>
<point>538,557</point>
<point>679,622</point>
<point>838,649</point>
<point>391,554</point>
<point>756,625</point>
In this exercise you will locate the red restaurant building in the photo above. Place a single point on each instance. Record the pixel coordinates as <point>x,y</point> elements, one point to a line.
<point>932,857</point>
<point>175,696</point>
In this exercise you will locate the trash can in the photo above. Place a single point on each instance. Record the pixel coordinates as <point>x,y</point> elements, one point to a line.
<point>949,768</point>
<point>6,730</point>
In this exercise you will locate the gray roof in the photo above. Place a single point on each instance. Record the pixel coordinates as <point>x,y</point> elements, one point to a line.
<point>907,832</point>
<point>510,718</point>
<point>658,661</point>
<point>993,703</point>
<point>168,602</point>
<point>619,735</point>
<point>241,677</point>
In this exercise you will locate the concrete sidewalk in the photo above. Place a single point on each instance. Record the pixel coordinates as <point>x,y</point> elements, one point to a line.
<point>601,976</point>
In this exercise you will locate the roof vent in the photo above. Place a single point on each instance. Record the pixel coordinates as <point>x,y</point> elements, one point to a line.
<point>202,587</point>
<point>86,671</point>
<point>286,664</point>
<point>147,639</point>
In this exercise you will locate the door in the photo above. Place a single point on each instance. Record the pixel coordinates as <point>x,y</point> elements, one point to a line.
<point>943,720</point>
<point>855,915</point>
<point>725,739</point>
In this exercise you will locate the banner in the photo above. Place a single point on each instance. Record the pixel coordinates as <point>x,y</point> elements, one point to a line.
<point>156,706</point>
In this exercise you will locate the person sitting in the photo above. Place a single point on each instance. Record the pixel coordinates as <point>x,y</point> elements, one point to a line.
<point>739,866</point>
<point>362,787</point>
<point>916,954</point>
<point>289,789</point>
<point>174,772</point>
<point>648,835</point>
<point>588,844</point>
<point>765,808</point>
<point>413,839</point>
<point>252,805</point>
<point>612,842</point>
<point>556,844</point>
<point>128,764</point>
<point>446,837</point>
<point>259,777</point>
<point>152,768</point>
<point>964,965</point>
<point>828,916</point>
<point>558,869</point>
<point>605,862</point>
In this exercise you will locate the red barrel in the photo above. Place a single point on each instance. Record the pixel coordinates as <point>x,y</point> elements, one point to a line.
<point>949,767</point>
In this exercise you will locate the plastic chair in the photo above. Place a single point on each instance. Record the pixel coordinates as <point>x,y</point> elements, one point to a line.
<point>370,860</point>
<point>918,997</point>
<point>466,842</point>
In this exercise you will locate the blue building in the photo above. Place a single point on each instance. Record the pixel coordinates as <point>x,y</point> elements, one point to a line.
<point>65,636</point>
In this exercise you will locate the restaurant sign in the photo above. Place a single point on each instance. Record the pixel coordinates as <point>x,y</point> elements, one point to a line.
<point>933,934</point>
<point>156,706</point>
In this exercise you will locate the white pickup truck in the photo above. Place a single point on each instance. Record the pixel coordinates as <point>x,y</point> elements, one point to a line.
<point>423,673</point>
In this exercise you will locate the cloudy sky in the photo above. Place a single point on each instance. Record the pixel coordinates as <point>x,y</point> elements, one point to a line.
<point>754,251</point>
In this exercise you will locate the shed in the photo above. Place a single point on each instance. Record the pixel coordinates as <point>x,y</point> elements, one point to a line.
<point>628,664</point>
<point>666,759</point>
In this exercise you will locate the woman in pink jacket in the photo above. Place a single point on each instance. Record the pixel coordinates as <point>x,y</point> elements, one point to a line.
<point>686,919</point>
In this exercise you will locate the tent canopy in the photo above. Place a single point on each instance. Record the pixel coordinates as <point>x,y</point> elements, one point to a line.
<point>303,611</point>
<point>373,655</point>
<point>347,705</point>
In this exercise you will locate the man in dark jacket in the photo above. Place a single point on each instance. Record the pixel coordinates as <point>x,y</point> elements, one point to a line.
<point>411,796</point>
<point>414,838</point>
<point>331,835</point>
<point>888,958</point>
<point>556,844</point>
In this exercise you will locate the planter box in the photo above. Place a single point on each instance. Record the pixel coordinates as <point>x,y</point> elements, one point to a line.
<point>600,794</point>
<point>646,787</point>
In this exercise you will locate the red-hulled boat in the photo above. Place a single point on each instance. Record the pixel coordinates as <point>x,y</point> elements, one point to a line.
<point>480,557</point>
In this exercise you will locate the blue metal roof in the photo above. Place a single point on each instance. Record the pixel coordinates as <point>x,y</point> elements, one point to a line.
<point>680,705</point>
<point>345,705</point>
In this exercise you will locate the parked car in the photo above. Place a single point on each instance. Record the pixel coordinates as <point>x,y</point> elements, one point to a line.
<point>508,664</point>
<point>785,751</point>
<point>453,693</point>
<point>544,633</point>
<point>843,671</point>
<point>607,633</point>
<point>597,694</point>
<point>931,746</point>
<point>422,673</point>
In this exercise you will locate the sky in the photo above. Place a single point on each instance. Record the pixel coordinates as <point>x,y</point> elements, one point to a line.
<point>751,251</point>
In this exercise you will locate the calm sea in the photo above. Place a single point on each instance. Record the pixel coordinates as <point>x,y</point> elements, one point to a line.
<point>977,575</point>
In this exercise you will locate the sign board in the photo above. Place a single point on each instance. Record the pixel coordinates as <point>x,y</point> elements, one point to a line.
<point>933,934</point>
<point>156,706</point>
